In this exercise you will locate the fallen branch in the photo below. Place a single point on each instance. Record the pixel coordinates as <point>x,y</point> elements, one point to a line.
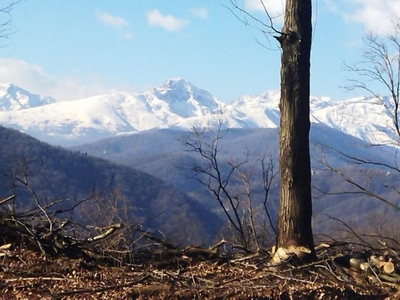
<point>110,230</point>
<point>35,278</point>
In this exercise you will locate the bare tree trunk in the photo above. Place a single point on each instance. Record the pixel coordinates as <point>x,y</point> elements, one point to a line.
<point>295,209</point>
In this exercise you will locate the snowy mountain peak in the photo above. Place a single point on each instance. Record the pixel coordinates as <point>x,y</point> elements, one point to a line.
<point>12,98</point>
<point>177,83</point>
<point>185,99</point>
<point>179,89</point>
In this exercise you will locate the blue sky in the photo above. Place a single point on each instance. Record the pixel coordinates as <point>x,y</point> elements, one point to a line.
<point>71,49</point>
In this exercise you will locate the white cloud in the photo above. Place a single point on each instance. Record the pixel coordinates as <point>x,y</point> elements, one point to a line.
<point>275,8</point>
<point>35,80</point>
<point>115,22</point>
<point>168,22</point>
<point>110,20</point>
<point>199,12</point>
<point>377,16</point>
<point>30,77</point>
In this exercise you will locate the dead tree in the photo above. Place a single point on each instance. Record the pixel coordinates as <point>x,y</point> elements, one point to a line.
<point>230,185</point>
<point>376,73</point>
<point>379,68</point>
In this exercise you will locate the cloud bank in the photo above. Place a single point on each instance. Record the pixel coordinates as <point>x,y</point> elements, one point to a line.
<point>377,16</point>
<point>35,80</point>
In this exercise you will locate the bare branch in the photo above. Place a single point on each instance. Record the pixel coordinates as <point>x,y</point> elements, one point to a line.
<point>6,27</point>
<point>270,25</point>
<point>228,181</point>
<point>360,187</point>
<point>380,65</point>
<point>267,28</point>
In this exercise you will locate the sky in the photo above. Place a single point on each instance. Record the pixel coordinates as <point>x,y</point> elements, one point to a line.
<point>70,49</point>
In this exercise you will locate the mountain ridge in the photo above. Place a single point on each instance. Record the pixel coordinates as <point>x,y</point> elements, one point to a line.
<point>13,98</point>
<point>179,104</point>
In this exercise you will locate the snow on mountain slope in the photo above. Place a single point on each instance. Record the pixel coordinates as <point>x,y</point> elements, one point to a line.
<point>246,112</point>
<point>14,98</point>
<point>365,118</point>
<point>176,104</point>
<point>90,119</point>
<point>71,119</point>
<point>256,111</point>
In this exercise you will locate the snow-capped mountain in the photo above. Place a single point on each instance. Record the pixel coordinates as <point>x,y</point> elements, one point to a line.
<point>184,99</point>
<point>89,119</point>
<point>14,98</point>
<point>176,104</point>
<point>365,118</point>
<point>361,117</point>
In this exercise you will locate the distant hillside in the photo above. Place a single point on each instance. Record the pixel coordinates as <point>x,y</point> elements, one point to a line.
<point>161,154</point>
<point>54,173</point>
<point>160,151</point>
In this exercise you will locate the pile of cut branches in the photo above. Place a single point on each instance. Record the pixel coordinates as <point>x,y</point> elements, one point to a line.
<point>30,274</point>
<point>40,259</point>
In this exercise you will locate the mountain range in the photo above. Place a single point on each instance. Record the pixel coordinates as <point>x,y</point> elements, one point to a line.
<point>144,132</point>
<point>177,104</point>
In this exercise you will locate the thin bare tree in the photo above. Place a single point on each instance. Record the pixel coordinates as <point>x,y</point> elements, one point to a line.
<point>378,74</point>
<point>230,183</point>
<point>379,69</point>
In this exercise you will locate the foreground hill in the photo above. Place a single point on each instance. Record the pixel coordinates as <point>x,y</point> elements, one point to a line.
<point>55,173</point>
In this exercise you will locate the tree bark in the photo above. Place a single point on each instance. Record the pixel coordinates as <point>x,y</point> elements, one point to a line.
<point>295,208</point>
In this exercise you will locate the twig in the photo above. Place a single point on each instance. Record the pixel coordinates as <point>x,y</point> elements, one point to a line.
<point>7,199</point>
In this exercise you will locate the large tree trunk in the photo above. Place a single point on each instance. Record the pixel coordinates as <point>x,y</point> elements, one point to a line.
<point>295,208</point>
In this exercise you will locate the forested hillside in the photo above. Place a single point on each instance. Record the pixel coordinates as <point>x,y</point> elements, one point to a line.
<point>54,173</point>
<point>162,153</point>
